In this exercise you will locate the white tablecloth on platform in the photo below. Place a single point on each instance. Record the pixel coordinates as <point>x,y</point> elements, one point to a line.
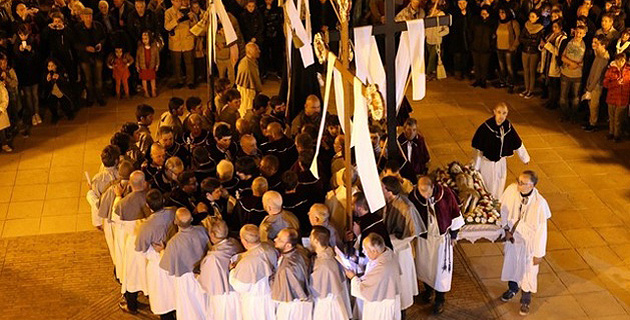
<point>474,232</point>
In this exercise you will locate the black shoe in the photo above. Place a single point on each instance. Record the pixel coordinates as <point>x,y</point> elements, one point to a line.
<point>483,85</point>
<point>191,86</point>
<point>71,116</point>
<point>123,306</point>
<point>438,308</point>
<point>475,84</point>
<point>426,297</point>
<point>101,102</point>
<point>610,136</point>
<point>510,89</point>
<point>500,85</point>
<point>588,128</point>
<point>617,139</point>
<point>54,119</point>
<point>508,295</point>
<point>524,310</point>
<point>89,103</point>
<point>177,86</point>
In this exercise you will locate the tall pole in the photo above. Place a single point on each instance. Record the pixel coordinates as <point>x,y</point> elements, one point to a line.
<point>390,71</point>
<point>345,60</point>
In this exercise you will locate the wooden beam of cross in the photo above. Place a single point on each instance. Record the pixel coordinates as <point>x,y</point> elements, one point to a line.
<point>390,29</point>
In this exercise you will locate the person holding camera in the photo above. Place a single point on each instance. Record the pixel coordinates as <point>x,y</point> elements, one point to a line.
<point>178,20</point>
<point>56,90</point>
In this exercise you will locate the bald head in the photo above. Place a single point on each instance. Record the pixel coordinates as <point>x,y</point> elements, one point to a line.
<point>248,144</point>
<point>225,170</point>
<point>272,202</point>
<point>183,218</point>
<point>136,180</point>
<point>274,131</point>
<point>425,186</point>
<point>217,229</point>
<point>318,214</point>
<point>250,236</point>
<point>158,154</point>
<point>259,186</point>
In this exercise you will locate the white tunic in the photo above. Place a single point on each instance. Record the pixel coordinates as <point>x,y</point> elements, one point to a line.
<point>295,309</point>
<point>93,200</point>
<point>119,244</point>
<point>134,263</point>
<point>374,310</point>
<point>408,277</point>
<point>256,303</point>
<point>108,231</point>
<point>331,307</point>
<point>224,307</point>
<point>494,174</point>
<point>434,255</point>
<point>530,236</point>
<point>160,286</point>
<point>190,299</point>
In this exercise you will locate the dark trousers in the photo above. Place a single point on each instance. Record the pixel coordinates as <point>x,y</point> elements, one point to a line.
<point>272,56</point>
<point>439,296</point>
<point>554,91</point>
<point>506,66</point>
<point>526,297</point>
<point>63,103</point>
<point>132,300</point>
<point>460,63</point>
<point>168,316</point>
<point>93,71</point>
<point>188,57</point>
<point>481,62</point>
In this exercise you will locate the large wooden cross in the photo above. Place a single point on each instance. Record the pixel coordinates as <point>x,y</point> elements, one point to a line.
<point>389,29</point>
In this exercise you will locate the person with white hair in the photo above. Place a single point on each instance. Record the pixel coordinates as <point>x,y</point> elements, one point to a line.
<point>250,276</point>
<point>128,213</point>
<point>277,218</point>
<point>378,290</point>
<point>181,255</point>
<point>319,215</point>
<point>222,301</point>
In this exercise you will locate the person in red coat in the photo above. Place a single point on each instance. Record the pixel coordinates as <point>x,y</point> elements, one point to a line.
<point>414,151</point>
<point>617,81</point>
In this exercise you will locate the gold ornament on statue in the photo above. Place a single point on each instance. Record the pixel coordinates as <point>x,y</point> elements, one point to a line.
<point>321,50</point>
<point>375,102</point>
<point>344,10</point>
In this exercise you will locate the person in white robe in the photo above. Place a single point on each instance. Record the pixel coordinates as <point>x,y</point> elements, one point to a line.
<point>222,301</point>
<point>379,288</point>
<point>101,181</point>
<point>154,233</point>
<point>336,201</point>
<point>106,208</point>
<point>290,288</point>
<point>439,211</point>
<point>129,213</point>
<point>319,215</point>
<point>277,218</point>
<point>494,141</point>
<point>250,276</point>
<point>182,253</point>
<point>524,215</point>
<point>403,224</point>
<point>327,283</point>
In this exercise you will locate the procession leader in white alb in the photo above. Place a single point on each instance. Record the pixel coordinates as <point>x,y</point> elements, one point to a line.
<point>154,233</point>
<point>524,214</point>
<point>379,287</point>
<point>180,256</point>
<point>439,210</point>
<point>328,284</point>
<point>289,289</point>
<point>493,141</point>
<point>250,276</point>
<point>223,301</point>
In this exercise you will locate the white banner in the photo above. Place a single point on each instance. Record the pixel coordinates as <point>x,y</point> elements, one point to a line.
<point>366,161</point>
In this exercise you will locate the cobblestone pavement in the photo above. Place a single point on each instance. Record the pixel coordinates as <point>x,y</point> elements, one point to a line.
<point>69,276</point>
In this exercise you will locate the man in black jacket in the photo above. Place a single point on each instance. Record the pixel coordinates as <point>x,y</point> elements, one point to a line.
<point>91,38</point>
